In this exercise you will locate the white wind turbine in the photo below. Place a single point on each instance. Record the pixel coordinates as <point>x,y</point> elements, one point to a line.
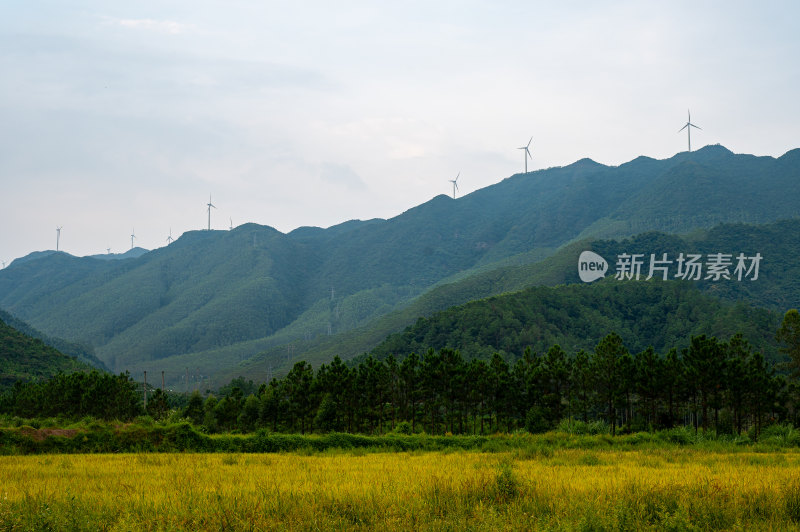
<point>133,235</point>
<point>58,236</point>
<point>169,238</point>
<point>688,127</point>
<point>210,205</point>
<point>527,153</point>
<point>455,184</point>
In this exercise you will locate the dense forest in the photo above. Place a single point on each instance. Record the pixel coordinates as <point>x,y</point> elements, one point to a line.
<point>725,386</point>
<point>661,314</point>
<point>76,395</point>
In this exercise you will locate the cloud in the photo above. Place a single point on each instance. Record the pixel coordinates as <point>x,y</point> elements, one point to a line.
<point>169,27</point>
<point>341,174</point>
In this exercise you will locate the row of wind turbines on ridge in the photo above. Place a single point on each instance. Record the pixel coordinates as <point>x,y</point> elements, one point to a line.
<point>209,205</point>
<point>526,155</point>
<point>527,152</point>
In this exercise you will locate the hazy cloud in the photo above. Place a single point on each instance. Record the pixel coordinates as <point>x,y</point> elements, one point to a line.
<point>343,175</point>
<point>169,27</point>
<point>121,114</point>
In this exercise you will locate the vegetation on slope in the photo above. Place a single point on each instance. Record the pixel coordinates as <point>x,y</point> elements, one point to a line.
<point>778,287</point>
<point>24,358</point>
<point>212,290</point>
<point>645,314</point>
<point>81,352</point>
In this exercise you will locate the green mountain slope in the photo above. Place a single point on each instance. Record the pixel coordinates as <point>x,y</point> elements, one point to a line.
<point>646,313</point>
<point>777,289</point>
<point>82,353</point>
<point>24,358</point>
<point>213,299</point>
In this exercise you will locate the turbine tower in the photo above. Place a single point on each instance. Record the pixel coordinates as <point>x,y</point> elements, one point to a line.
<point>108,251</point>
<point>688,127</point>
<point>133,235</point>
<point>231,227</point>
<point>527,153</point>
<point>58,235</point>
<point>455,184</point>
<point>209,211</point>
<point>169,238</point>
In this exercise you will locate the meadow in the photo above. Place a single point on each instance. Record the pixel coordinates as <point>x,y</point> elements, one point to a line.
<point>670,488</point>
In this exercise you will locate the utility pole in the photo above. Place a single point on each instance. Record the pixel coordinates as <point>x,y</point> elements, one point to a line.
<point>162,380</point>
<point>187,380</point>
<point>145,391</point>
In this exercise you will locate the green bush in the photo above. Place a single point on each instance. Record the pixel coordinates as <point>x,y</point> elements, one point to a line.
<point>404,427</point>
<point>536,421</point>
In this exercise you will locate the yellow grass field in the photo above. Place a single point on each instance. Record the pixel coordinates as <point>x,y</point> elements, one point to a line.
<point>663,489</point>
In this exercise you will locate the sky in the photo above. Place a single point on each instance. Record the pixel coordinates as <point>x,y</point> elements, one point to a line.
<point>126,117</point>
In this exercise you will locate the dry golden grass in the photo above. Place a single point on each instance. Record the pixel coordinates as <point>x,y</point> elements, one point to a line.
<point>677,489</point>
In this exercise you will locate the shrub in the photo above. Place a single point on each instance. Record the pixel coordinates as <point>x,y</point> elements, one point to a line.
<point>506,483</point>
<point>536,421</point>
<point>404,427</point>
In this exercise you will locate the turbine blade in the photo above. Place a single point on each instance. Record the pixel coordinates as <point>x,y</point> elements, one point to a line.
<point>684,127</point>
<point>529,143</point>
<point>698,127</point>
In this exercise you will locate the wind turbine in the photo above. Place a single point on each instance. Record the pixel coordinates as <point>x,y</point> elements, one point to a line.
<point>58,235</point>
<point>108,251</point>
<point>455,184</point>
<point>527,153</point>
<point>209,211</point>
<point>4,264</point>
<point>688,127</point>
<point>231,227</point>
<point>133,235</point>
<point>169,238</point>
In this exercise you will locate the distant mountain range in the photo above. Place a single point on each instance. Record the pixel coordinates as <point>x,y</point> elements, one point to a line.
<point>247,300</point>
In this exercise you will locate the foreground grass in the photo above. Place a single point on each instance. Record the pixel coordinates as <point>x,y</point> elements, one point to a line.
<point>675,488</point>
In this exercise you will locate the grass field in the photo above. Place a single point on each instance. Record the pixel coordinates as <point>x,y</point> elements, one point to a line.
<point>672,489</point>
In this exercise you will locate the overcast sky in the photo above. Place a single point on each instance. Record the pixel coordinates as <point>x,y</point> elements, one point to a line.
<point>121,116</point>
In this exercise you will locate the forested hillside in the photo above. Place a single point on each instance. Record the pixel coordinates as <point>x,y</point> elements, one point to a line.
<point>24,358</point>
<point>82,353</point>
<point>213,299</point>
<point>658,314</point>
<point>777,289</point>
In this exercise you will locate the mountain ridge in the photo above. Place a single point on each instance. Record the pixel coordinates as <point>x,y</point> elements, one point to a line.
<point>210,291</point>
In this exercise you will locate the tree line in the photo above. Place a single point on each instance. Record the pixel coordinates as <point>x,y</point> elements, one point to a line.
<point>75,395</point>
<point>725,386</point>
